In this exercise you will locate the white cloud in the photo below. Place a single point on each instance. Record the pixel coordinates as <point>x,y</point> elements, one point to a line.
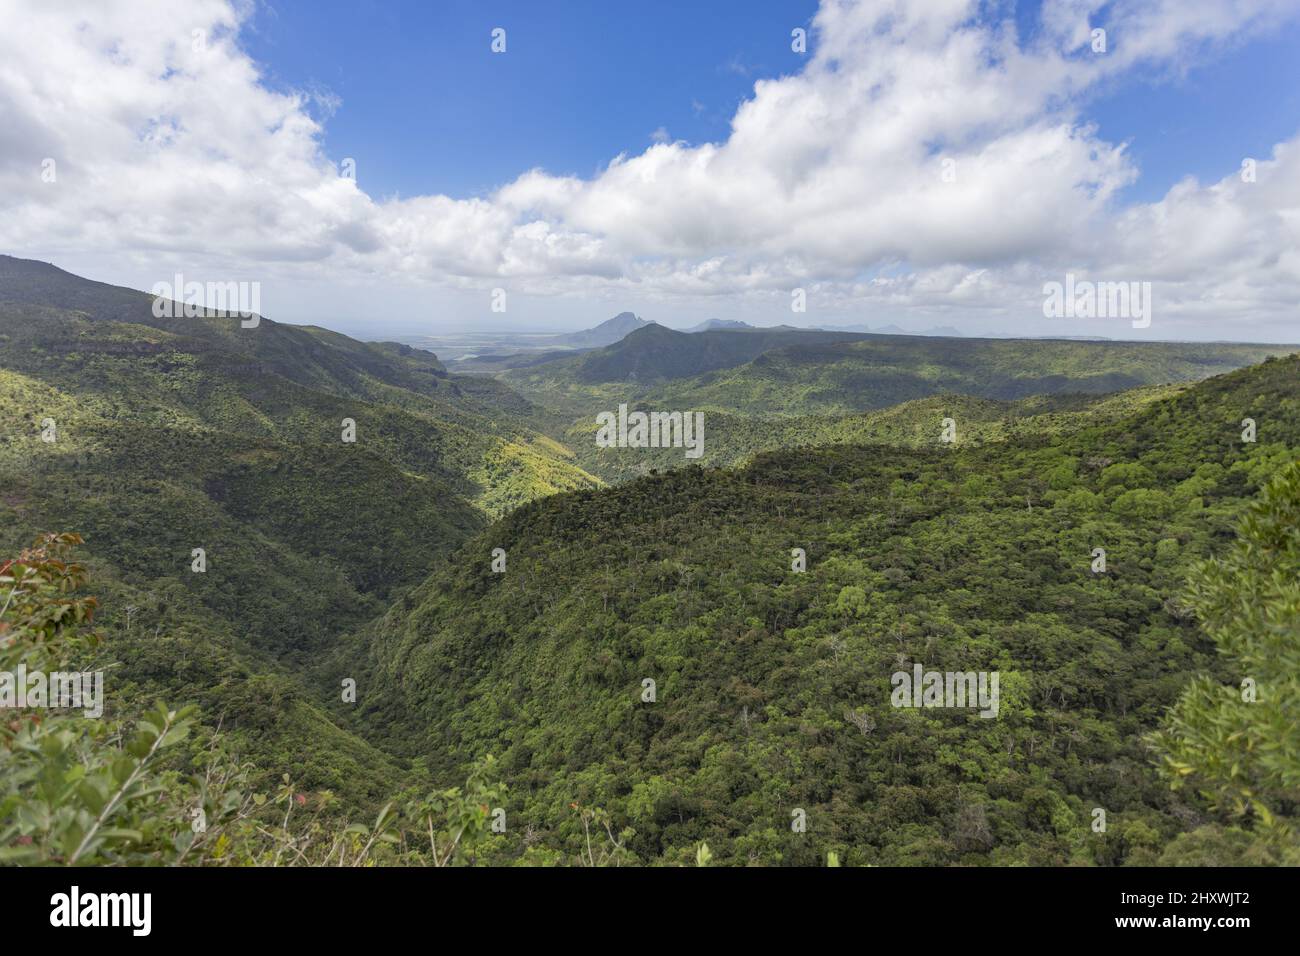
<point>923,159</point>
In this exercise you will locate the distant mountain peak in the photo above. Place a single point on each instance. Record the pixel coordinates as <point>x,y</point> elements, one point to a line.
<point>710,325</point>
<point>606,333</point>
<point>624,320</point>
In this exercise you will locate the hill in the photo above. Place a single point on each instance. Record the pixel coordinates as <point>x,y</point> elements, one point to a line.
<point>250,558</point>
<point>154,437</point>
<point>800,372</point>
<point>709,325</point>
<point>289,383</point>
<point>607,333</point>
<point>733,438</point>
<point>772,688</point>
<point>650,356</point>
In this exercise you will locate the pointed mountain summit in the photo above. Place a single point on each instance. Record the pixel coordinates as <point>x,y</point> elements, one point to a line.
<point>607,333</point>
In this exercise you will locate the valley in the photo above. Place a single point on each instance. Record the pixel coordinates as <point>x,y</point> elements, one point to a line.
<point>494,580</point>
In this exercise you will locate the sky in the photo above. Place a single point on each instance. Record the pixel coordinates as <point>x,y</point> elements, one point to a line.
<point>380,169</point>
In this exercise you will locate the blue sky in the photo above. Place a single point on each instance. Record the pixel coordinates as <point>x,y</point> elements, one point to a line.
<point>1202,123</point>
<point>427,108</point>
<point>675,159</point>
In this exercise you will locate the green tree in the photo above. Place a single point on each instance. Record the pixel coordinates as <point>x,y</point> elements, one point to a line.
<point>1238,743</point>
<point>75,790</point>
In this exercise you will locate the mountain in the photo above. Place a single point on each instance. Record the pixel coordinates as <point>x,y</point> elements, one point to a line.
<point>292,383</point>
<point>656,352</point>
<point>697,655</point>
<point>171,434</point>
<point>648,356</point>
<point>946,331</point>
<point>709,325</point>
<point>653,652</point>
<point>874,373</point>
<point>775,372</point>
<point>607,333</point>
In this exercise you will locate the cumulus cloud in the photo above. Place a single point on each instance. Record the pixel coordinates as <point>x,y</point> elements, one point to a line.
<point>925,157</point>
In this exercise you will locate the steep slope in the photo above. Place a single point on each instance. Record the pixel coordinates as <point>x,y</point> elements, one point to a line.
<point>288,383</point>
<point>155,437</point>
<point>772,689</point>
<point>243,637</point>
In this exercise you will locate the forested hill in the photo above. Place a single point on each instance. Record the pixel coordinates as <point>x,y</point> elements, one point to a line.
<point>778,372</point>
<point>772,686</point>
<point>156,437</point>
<point>655,353</point>
<point>103,347</point>
<point>272,513</point>
<point>732,438</point>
